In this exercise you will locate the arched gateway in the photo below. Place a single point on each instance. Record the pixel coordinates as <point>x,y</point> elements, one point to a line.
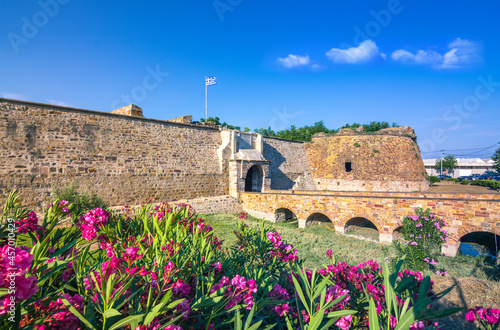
<point>254,179</point>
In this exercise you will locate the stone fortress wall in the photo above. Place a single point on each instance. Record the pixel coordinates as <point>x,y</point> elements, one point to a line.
<point>126,158</point>
<point>289,167</point>
<point>387,160</point>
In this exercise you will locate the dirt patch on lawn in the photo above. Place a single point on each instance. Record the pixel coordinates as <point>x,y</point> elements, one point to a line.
<point>460,188</point>
<point>469,292</point>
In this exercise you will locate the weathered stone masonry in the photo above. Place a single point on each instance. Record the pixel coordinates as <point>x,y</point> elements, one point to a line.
<point>289,167</point>
<point>127,158</point>
<point>124,159</point>
<point>387,160</point>
<point>463,213</point>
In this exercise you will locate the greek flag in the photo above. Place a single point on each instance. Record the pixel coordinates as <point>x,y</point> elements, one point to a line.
<point>210,81</point>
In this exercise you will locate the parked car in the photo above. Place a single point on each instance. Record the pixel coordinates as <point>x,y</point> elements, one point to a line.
<point>475,176</point>
<point>464,177</point>
<point>444,177</point>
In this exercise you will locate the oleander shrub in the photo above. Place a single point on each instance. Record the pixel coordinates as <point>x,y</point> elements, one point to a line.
<point>486,318</point>
<point>164,268</point>
<point>81,199</point>
<point>434,179</point>
<point>465,182</point>
<point>452,179</point>
<point>423,235</point>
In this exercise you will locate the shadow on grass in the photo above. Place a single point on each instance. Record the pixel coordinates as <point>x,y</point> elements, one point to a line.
<point>363,232</point>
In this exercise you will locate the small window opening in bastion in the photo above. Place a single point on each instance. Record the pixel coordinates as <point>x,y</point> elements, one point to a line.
<point>348,166</point>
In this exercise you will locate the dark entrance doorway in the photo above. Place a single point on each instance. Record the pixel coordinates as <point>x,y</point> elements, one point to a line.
<point>253,181</point>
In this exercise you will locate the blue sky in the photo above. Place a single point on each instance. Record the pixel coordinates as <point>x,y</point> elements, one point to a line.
<point>430,65</point>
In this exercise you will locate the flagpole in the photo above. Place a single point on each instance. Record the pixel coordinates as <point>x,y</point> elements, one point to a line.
<point>206,112</point>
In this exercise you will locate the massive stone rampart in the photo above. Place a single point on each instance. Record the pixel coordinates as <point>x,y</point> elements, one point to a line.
<point>388,160</point>
<point>289,167</point>
<point>124,159</point>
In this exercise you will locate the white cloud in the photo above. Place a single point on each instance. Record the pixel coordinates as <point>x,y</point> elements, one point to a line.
<point>14,96</point>
<point>292,61</point>
<point>462,53</point>
<point>316,67</point>
<point>421,57</point>
<point>55,102</point>
<point>366,51</point>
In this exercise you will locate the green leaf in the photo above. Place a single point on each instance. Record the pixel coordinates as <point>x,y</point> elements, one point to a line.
<point>339,314</point>
<point>77,314</point>
<point>328,324</point>
<point>111,312</point>
<point>249,318</point>
<point>404,309</point>
<point>237,320</point>
<point>372,316</point>
<point>320,288</point>
<point>298,289</point>
<point>412,314</point>
<point>424,287</point>
<point>152,314</point>
<point>316,319</point>
<point>125,321</point>
<point>432,315</point>
<point>257,325</point>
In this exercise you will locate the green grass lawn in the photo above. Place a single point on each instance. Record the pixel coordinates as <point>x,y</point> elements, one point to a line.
<point>478,283</point>
<point>313,242</point>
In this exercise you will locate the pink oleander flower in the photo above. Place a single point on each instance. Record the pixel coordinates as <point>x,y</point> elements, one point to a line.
<point>419,325</point>
<point>217,266</point>
<point>281,310</point>
<point>14,266</point>
<point>344,322</point>
<point>131,253</point>
<point>279,293</point>
<point>28,224</point>
<point>89,232</point>
<point>492,315</point>
<point>471,315</point>
<point>96,217</point>
<point>305,316</point>
<point>239,281</point>
<point>237,290</point>
<point>22,258</point>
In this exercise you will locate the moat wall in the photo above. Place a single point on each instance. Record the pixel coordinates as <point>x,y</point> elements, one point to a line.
<point>124,159</point>
<point>388,160</point>
<point>289,167</point>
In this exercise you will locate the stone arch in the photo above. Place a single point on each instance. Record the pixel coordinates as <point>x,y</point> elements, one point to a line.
<point>317,218</point>
<point>378,222</point>
<point>361,226</point>
<point>254,180</point>
<point>284,214</point>
<point>477,239</point>
<point>247,165</point>
<point>397,234</point>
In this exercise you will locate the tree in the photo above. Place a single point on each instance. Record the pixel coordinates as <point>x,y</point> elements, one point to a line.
<point>216,121</point>
<point>374,126</point>
<point>449,164</point>
<point>496,159</point>
<point>293,133</point>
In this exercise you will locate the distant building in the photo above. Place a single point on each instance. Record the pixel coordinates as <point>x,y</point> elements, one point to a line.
<point>466,166</point>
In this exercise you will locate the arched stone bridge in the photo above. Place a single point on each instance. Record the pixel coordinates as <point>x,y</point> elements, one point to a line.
<point>463,213</point>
